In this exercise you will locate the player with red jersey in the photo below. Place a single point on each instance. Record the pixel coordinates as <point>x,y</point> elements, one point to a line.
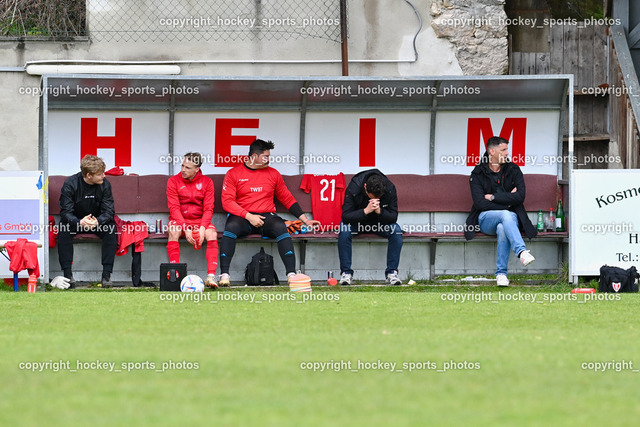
<point>248,193</point>
<point>190,196</point>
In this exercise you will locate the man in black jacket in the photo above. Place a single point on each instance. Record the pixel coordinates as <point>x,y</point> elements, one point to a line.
<point>498,192</point>
<point>370,206</point>
<point>86,206</point>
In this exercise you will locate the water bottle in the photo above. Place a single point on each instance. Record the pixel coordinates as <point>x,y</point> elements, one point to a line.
<point>196,237</point>
<point>540,225</point>
<point>560,217</point>
<point>32,283</point>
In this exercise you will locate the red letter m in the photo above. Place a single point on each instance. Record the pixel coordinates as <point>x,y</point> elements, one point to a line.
<point>514,129</point>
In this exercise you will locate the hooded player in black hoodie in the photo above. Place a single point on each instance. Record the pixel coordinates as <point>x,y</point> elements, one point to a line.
<point>498,191</point>
<point>370,206</point>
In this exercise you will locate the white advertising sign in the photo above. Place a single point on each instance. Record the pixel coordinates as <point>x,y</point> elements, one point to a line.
<point>396,142</point>
<point>22,213</point>
<point>604,227</point>
<point>133,140</point>
<point>461,137</point>
<point>224,136</point>
<point>349,142</point>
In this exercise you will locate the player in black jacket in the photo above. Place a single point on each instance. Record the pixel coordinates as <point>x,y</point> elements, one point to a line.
<point>498,191</point>
<point>370,206</point>
<point>86,206</point>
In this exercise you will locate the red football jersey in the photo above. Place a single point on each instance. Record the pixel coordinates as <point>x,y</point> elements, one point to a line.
<point>252,190</point>
<point>327,197</point>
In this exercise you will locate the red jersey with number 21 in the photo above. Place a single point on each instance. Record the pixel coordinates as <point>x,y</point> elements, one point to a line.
<point>327,197</point>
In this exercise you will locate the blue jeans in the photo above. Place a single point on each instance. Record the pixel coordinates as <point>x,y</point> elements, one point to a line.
<point>392,232</point>
<point>503,224</point>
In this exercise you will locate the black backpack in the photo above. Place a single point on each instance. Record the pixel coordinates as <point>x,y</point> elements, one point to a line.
<point>260,270</point>
<point>616,279</point>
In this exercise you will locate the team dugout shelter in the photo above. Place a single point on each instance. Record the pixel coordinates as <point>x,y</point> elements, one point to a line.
<point>425,133</point>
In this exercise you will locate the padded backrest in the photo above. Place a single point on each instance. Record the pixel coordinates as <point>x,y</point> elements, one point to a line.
<point>543,192</point>
<point>303,199</point>
<point>432,193</point>
<point>124,189</point>
<point>55,186</point>
<point>152,193</point>
<point>416,193</point>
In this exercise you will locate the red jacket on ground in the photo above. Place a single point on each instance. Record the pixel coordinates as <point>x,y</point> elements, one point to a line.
<point>247,190</point>
<point>190,201</point>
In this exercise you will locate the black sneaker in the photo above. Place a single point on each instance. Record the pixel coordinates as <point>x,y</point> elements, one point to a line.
<point>145,285</point>
<point>106,281</point>
<point>69,275</point>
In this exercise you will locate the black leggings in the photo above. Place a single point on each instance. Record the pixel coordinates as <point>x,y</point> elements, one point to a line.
<point>274,227</point>
<point>107,233</point>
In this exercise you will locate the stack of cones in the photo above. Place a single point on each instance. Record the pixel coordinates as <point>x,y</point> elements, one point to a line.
<point>300,283</point>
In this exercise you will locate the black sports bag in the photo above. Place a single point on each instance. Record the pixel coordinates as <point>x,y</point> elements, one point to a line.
<point>616,279</point>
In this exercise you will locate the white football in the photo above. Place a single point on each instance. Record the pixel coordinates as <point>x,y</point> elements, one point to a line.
<point>192,283</point>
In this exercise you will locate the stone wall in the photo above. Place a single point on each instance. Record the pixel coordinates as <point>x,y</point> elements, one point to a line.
<point>477,29</point>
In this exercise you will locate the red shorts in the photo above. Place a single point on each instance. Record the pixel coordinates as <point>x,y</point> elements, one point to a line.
<point>191,225</point>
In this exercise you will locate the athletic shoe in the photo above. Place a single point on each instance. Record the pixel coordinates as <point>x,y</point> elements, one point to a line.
<point>526,258</point>
<point>210,281</point>
<point>393,279</point>
<point>345,279</point>
<point>502,280</point>
<point>106,281</point>
<point>69,275</point>
<point>225,280</point>
<point>145,285</point>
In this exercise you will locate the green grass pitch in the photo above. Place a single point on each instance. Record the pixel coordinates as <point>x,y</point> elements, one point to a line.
<point>408,356</point>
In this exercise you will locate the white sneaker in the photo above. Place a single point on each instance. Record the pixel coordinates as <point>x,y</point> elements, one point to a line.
<point>345,279</point>
<point>225,280</point>
<point>393,279</point>
<point>502,280</point>
<point>526,258</point>
<point>210,281</point>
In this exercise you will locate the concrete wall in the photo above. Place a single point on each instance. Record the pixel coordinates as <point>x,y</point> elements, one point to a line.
<point>381,32</point>
<point>369,260</point>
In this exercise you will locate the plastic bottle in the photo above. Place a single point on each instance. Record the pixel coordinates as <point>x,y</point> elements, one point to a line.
<point>196,236</point>
<point>552,221</point>
<point>560,217</point>
<point>32,283</point>
<point>540,225</point>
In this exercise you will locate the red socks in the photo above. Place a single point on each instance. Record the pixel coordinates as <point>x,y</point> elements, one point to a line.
<point>212,256</point>
<point>173,250</point>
